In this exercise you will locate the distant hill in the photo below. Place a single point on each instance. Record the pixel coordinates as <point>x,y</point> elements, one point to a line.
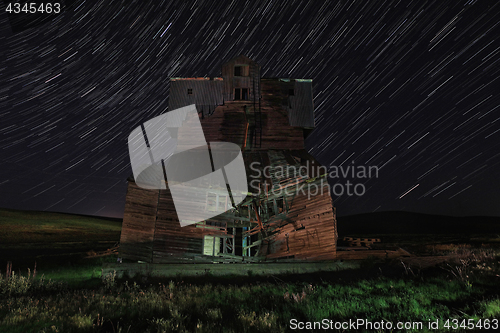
<point>17,226</point>
<point>416,223</point>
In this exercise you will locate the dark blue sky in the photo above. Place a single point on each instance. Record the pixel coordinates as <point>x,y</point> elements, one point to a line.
<point>411,87</point>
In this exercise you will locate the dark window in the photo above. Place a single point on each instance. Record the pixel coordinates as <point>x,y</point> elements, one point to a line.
<point>241,70</point>
<point>291,92</point>
<point>190,91</point>
<point>237,70</point>
<point>241,94</point>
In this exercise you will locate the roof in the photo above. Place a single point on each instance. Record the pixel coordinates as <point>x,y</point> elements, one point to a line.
<point>207,93</point>
<point>196,78</point>
<point>239,57</point>
<point>299,106</point>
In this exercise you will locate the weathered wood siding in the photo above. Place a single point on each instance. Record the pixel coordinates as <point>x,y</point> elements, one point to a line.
<point>298,107</point>
<point>277,132</point>
<point>206,93</point>
<point>310,231</point>
<point>136,240</point>
<point>231,82</point>
<point>228,124</point>
<point>301,107</point>
<point>173,242</point>
<point>151,231</point>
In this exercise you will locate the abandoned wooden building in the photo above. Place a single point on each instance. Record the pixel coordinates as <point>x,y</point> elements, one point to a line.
<point>287,213</point>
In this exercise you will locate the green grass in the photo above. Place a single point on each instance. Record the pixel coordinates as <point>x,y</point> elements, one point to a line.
<point>83,273</point>
<point>86,273</point>
<point>249,305</point>
<point>72,296</point>
<point>265,307</point>
<point>491,308</point>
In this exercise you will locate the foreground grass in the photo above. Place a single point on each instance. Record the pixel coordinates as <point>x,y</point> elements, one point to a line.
<point>126,306</point>
<point>84,273</point>
<point>56,243</point>
<point>69,295</point>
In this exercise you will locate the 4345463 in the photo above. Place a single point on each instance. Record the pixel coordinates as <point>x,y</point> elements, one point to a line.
<point>32,8</point>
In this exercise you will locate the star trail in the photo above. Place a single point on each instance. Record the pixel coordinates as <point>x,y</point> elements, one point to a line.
<point>411,87</point>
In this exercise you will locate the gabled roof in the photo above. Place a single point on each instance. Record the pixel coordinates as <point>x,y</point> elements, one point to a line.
<point>240,57</point>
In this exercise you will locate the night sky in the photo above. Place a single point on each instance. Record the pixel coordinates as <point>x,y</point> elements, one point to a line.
<point>411,87</point>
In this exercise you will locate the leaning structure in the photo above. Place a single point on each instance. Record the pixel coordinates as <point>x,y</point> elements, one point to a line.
<point>288,212</point>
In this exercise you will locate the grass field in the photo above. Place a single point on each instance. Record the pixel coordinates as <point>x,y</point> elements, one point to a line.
<point>252,304</point>
<point>68,294</point>
<point>41,227</point>
<point>52,240</point>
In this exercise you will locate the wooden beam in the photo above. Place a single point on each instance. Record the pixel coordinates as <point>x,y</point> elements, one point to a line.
<point>258,217</point>
<point>253,244</point>
<point>234,240</point>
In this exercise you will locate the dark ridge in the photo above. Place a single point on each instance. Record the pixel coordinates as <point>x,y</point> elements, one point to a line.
<point>398,222</point>
<point>47,213</point>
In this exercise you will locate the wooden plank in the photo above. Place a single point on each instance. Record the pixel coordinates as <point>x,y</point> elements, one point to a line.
<point>136,240</point>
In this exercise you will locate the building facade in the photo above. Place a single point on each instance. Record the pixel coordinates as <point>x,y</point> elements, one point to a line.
<point>287,213</point>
